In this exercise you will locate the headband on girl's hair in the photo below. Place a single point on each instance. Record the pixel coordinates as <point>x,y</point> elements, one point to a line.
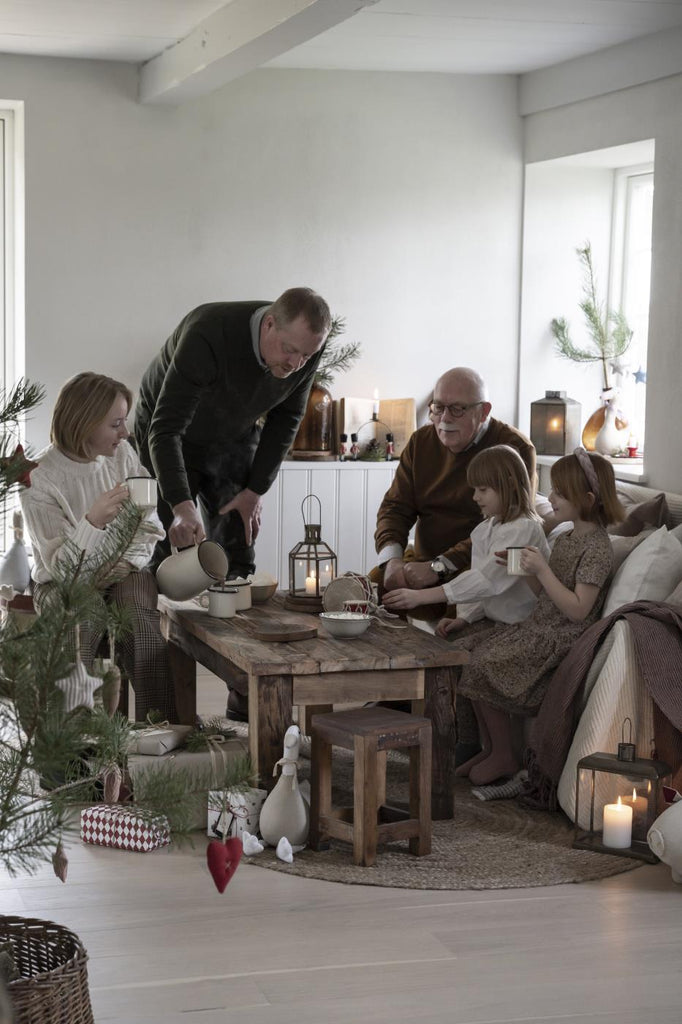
<point>588,469</point>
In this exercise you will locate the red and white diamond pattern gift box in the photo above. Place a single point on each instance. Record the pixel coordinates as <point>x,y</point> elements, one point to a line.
<point>123,828</point>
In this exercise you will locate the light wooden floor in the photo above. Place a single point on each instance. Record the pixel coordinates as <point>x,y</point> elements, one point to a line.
<point>166,948</point>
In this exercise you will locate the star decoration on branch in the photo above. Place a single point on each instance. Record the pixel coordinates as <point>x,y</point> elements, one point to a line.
<point>619,366</point>
<point>78,687</point>
<point>17,468</point>
<point>640,376</point>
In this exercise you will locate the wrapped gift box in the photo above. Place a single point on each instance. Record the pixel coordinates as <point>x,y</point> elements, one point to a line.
<point>232,812</point>
<point>156,742</point>
<point>123,828</point>
<point>201,767</point>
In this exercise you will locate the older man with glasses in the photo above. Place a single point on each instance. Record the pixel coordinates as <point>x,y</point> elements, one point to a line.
<point>430,488</point>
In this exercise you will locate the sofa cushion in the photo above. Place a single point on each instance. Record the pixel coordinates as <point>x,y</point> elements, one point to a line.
<point>650,573</point>
<point>653,513</point>
<point>623,546</point>
<point>676,596</point>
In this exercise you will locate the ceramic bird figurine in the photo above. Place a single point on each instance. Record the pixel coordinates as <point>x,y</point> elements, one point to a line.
<point>14,568</point>
<point>285,813</point>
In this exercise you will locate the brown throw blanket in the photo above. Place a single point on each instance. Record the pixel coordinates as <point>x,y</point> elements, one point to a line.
<point>657,635</point>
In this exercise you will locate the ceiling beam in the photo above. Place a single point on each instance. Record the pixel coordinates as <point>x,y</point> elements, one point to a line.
<point>238,38</point>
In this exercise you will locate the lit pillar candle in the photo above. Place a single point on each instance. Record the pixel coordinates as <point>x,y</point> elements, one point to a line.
<point>639,806</point>
<point>311,585</point>
<point>617,825</point>
<point>325,576</point>
<point>375,406</point>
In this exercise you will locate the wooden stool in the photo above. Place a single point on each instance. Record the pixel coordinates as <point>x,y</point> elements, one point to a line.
<point>370,732</point>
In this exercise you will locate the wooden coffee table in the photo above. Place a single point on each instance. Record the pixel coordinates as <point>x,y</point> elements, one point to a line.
<point>383,664</point>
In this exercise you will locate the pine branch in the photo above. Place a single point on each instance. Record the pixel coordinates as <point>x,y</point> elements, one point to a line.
<point>334,359</point>
<point>19,400</point>
<point>605,344</point>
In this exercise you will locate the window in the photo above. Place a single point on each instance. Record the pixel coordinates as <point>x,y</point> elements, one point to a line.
<point>631,281</point>
<point>11,269</point>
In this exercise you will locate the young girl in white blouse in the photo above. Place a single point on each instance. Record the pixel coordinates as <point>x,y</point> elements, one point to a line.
<point>77,489</point>
<point>502,491</point>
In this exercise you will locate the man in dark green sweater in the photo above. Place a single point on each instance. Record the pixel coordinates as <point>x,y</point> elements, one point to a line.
<point>218,409</point>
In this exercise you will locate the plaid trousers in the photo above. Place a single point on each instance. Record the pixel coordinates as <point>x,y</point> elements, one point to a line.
<point>142,651</point>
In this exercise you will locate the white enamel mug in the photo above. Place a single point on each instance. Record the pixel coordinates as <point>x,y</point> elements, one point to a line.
<point>222,601</point>
<point>514,562</point>
<point>142,490</point>
<point>244,593</point>
<point>189,571</point>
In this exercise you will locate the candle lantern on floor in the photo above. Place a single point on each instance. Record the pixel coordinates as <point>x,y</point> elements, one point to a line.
<point>312,565</point>
<point>555,424</point>
<point>617,799</point>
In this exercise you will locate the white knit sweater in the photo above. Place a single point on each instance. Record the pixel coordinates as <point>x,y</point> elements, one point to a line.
<point>62,491</point>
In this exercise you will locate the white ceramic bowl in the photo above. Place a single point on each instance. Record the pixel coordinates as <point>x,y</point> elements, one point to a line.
<point>261,592</point>
<point>345,624</point>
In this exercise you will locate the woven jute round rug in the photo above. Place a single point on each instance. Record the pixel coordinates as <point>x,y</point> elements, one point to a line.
<point>496,844</point>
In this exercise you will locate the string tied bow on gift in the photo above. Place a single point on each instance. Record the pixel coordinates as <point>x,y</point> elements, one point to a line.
<point>152,726</point>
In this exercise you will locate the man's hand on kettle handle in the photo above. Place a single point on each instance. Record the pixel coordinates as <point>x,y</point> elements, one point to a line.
<point>249,505</point>
<point>187,527</point>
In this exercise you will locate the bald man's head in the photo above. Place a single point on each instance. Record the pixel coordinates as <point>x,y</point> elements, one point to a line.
<point>460,405</point>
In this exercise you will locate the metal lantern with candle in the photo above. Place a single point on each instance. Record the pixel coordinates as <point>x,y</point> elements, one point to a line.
<point>625,792</point>
<point>312,564</point>
<point>555,424</point>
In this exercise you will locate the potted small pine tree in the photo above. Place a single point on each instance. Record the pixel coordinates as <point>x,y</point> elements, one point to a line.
<point>609,337</point>
<point>56,749</point>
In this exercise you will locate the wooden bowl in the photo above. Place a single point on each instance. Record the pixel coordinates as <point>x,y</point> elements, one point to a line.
<point>262,592</point>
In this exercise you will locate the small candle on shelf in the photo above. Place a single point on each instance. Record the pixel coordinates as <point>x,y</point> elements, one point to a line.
<point>555,424</point>
<point>311,585</point>
<point>617,826</point>
<point>325,576</point>
<point>375,406</point>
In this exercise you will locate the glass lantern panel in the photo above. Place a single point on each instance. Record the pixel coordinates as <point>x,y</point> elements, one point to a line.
<point>312,567</point>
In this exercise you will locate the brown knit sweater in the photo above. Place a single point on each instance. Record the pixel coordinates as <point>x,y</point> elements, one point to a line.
<point>657,635</point>
<point>430,488</point>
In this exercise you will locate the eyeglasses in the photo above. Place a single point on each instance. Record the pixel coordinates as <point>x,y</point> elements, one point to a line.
<point>456,411</point>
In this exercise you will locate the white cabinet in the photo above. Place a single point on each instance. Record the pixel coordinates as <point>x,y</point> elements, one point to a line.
<point>350,494</point>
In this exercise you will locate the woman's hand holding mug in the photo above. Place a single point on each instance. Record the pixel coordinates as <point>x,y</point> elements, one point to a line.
<point>107,506</point>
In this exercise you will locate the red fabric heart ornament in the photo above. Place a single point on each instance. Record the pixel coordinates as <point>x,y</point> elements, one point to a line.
<point>223,860</point>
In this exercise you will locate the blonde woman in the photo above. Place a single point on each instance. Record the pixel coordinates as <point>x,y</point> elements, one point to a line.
<point>77,490</point>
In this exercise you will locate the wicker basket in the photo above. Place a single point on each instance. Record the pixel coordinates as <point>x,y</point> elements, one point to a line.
<point>53,987</point>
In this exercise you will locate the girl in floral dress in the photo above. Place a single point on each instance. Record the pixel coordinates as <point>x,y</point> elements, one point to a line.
<point>511,666</point>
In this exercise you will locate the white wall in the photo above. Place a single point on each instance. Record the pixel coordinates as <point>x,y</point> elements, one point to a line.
<point>397,196</point>
<point>564,208</point>
<point>642,112</point>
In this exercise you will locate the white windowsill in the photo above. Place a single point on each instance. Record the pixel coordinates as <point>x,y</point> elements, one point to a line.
<point>631,470</point>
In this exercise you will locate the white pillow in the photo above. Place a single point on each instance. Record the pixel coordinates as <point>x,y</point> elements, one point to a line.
<point>650,573</point>
<point>677,533</point>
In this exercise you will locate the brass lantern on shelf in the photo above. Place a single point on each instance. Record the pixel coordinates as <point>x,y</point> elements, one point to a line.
<point>555,424</point>
<point>312,565</point>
